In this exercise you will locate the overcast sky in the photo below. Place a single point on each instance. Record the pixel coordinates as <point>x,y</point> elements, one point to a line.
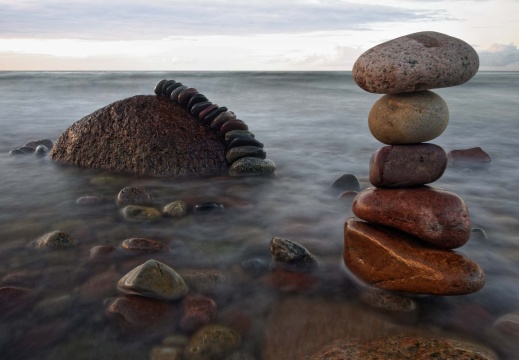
<point>240,35</point>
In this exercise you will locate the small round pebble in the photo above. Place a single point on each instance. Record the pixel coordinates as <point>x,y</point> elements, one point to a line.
<point>222,118</point>
<point>199,107</point>
<point>233,125</point>
<point>172,87</point>
<point>347,182</point>
<point>41,150</point>
<point>198,98</point>
<point>158,87</point>
<point>231,135</point>
<point>176,208</point>
<point>166,85</point>
<point>202,114</point>
<point>212,342</point>
<point>211,116</point>
<point>89,200</point>
<point>144,245</point>
<point>186,95</point>
<point>133,195</point>
<point>292,256</point>
<point>138,213</point>
<point>239,152</point>
<point>245,141</point>
<point>176,92</point>
<point>249,166</point>
<point>27,149</point>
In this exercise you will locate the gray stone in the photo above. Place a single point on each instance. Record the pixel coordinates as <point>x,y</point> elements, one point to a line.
<point>415,62</point>
<point>34,144</point>
<point>292,256</point>
<point>138,213</point>
<point>41,150</point>
<point>133,195</point>
<point>233,134</point>
<point>56,240</point>
<point>408,118</point>
<point>176,208</point>
<point>249,166</point>
<point>347,182</point>
<point>155,280</point>
<point>239,152</point>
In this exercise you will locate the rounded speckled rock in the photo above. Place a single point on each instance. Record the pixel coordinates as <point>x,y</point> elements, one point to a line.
<point>239,152</point>
<point>133,195</point>
<point>408,118</point>
<point>291,256</point>
<point>155,280</point>
<point>176,208</point>
<point>55,240</point>
<point>243,142</point>
<point>186,95</point>
<point>158,87</point>
<point>212,342</point>
<point>249,166</point>
<point>415,62</point>
<point>222,118</point>
<point>176,92</point>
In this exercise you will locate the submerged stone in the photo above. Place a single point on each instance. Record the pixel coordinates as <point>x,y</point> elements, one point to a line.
<point>250,166</point>
<point>133,195</point>
<point>212,342</point>
<point>176,208</point>
<point>469,157</point>
<point>231,135</point>
<point>415,62</point>
<point>55,240</point>
<point>140,213</point>
<point>143,245</point>
<point>292,256</point>
<point>346,182</point>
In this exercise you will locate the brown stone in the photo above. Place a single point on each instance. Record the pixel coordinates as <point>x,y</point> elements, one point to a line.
<point>408,118</point>
<point>406,165</point>
<point>14,300</point>
<point>392,260</point>
<point>414,62</point>
<point>137,315</point>
<point>436,216</point>
<point>403,348</point>
<point>233,125</point>
<point>468,157</point>
<point>197,311</point>
<point>143,245</point>
<point>146,135</point>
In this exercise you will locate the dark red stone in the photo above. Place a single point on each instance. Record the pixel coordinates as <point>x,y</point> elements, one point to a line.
<point>100,252</point>
<point>233,125</point>
<point>202,114</point>
<point>407,165</point>
<point>185,96</point>
<point>198,311</point>
<point>395,261</point>
<point>469,157</point>
<point>197,108</point>
<point>14,300</point>
<point>436,216</point>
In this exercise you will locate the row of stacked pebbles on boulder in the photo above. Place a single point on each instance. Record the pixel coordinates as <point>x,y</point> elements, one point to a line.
<point>244,153</point>
<point>404,243</point>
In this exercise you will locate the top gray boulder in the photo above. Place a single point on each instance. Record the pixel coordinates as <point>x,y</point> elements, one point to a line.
<point>416,62</point>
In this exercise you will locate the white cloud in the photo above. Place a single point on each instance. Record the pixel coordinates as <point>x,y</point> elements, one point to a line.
<point>499,55</point>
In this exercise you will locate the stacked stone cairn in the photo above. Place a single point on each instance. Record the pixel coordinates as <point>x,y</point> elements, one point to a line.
<point>244,153</point>
<point>402,237</point>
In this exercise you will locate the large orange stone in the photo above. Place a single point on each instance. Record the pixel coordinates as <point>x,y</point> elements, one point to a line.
<point>436,216</point>
<point>392,260</point>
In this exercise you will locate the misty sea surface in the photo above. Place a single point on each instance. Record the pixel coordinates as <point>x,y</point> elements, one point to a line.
<point>314,127</point>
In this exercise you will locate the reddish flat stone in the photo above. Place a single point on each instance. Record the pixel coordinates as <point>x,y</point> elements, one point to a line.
<point>436,216</point>
<point>469,157</point>
<point>392,260</point>
<point>406,165</point>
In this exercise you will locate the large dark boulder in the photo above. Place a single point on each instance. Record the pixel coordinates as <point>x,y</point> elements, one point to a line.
<point>145,135</point>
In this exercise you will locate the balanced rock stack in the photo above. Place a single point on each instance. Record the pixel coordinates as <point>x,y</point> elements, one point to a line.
<point>409,228</point>
<point>244,153</point>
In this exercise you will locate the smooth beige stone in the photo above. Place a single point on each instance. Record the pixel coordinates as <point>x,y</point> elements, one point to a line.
<point>408,118</point>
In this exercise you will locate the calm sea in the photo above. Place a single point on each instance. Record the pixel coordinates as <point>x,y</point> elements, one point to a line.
<point>314,127</point>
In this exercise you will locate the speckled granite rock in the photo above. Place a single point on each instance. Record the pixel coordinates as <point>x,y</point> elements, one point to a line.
<point>414,62</point>
<point>146,135</point>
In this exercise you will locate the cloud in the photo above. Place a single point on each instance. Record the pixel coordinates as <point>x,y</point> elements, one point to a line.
<point>342,57</point>
<point>137,19</point>
<point>499,55</point>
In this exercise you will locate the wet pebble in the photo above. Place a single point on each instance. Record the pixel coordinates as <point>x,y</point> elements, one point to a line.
<point>233,125</point>
<point>199,107</point>
<point>27,149</point>
<point>244,141</point>
<point>175,93</point>
<point>140,316</point>
<point>176,208</point>
<point>16,152</point>
<point>133,195</point>
<point>170,88</point>
<point>197,311</point>
<point>154,279</point>
<point>140,213</point>
<point>208,120</point>
<point>231,135</point>
<point>239,152</point>
<point>197,98</point>
<point>143,245</point>
<point>212,342</point>
<point>222,118</point>
<point>249,166</point>
<point>346,182</point>
<point>388,301</point>
<point>202,114</point>
<point>165,86</point>
<point>41,150</point>
<point>208,206</point>
<point>100,252</point>
<point>292,256</point>
<point>55,240</point>
<point>165,352</point>
<point>35,143</point>
<point>186,95</point>
<point>158,87</point>
<point>89,200</point>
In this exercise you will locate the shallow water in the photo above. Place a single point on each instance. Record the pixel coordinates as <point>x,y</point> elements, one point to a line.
<point>314,127</point>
